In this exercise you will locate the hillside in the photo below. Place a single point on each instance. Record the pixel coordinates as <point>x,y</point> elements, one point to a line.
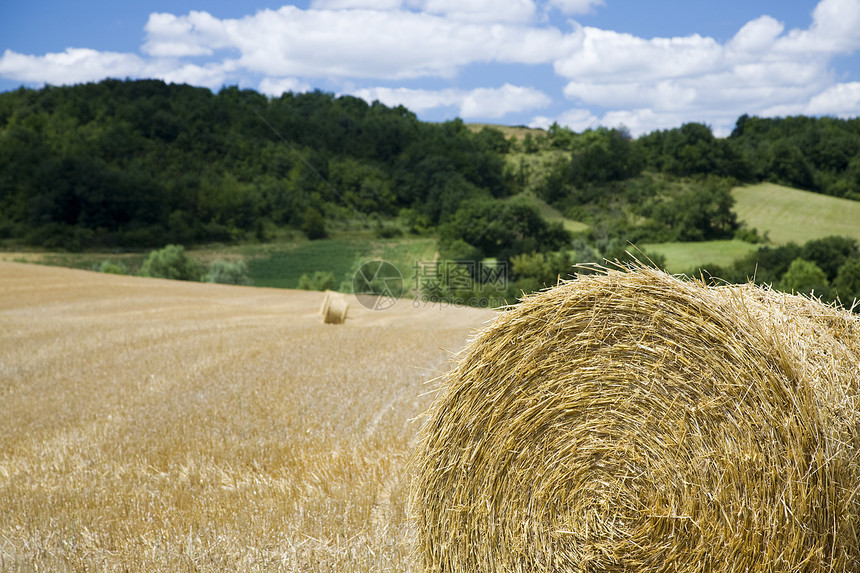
<point>139,164</point>
<point>153,425</point>
<point>784,214</point>
<point>793,215</point>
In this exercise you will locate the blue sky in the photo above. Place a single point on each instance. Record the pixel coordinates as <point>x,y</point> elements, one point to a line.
<point>582,63</point>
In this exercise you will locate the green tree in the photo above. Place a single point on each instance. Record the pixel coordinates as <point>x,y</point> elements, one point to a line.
<point>789,166</point>
<point>540,270</point>
<point>314,224</point>
<point>804,277</point>
<point>171,262</point>
<point>830,253</point>
<point>702,212</point>
<point>847,283</point>
<point>226,272</point>
<point>501,229</point>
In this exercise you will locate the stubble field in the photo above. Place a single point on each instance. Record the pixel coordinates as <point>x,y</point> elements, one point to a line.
<point>150,425</point>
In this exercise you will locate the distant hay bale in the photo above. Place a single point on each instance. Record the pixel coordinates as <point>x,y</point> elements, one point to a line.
<point>631,421</point>
<point>325,302</point>
<point>334,308</point>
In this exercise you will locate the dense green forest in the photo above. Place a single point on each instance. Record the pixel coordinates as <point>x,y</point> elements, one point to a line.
<point>143,163</point>
<point>140,164</point>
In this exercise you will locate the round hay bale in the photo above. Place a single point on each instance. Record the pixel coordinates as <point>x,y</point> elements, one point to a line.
<point>632,421</point>
<point>335,311</point>
<point>325,302</point>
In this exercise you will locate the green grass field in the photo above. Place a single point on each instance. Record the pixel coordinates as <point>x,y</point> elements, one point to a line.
<point>684,257</point>
<point>785,214</point>
<point>282,266</point>
<point>792,215</point>
<point>279,265</point>
<point>552,214</point>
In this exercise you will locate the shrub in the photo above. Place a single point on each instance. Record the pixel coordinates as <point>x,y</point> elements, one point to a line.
<point>225,272</point>
<point>847,283</point>
<point>314,224</point>
<point>804,277</point>
<point>111,268</point>
<point>171,262</point>
<point>320,280</point>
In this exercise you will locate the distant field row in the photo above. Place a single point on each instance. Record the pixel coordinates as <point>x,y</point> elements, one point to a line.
<point>279,265</point>
<point>784,214</point>
<point>284,265</point>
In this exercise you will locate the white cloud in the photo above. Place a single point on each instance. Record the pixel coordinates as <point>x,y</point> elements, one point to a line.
<point>356,4</point>
<point>416,100</point>
<point>756,35</point>
<point>277,86</point>
<point>464,10</point>
<point>575,6</point>
<point>646,83</point>
<point>480,102</point>
<point>834,30</point>
<point>479,10</point>
<point>575,119</point>
<point>196,34</point>
<point>841,100</point>
<point>637,121</point>
<point>496,103</point>
<point>352,43</point>
<point>642,120</point>
<point>75,65</point>
<point>624,57</point>
<point>212,76</point>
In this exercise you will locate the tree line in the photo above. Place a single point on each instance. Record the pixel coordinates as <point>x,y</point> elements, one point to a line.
<point>138,164</point>
<point>135,164</point>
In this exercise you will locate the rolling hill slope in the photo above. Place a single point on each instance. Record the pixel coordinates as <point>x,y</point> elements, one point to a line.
<point>788,214</point>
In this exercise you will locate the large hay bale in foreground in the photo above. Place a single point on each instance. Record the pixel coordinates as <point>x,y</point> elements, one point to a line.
<point>631,421</point>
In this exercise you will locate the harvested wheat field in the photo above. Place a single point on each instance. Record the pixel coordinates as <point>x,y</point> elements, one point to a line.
<point>150,425</point>
<point>629,421</point>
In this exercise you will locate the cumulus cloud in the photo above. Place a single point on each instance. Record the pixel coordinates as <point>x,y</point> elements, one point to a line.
<point>479,10</point>
<point>840,100</point>
<point>575,119</point>
<point>645,83</point>
<point>756,36</point>
<point>416,100</point>
<point>212,75</point>
<point>465,10</point>
<point>356,4</point>
<point>277,86</point>
<point>833,30</point>
<point>351,44</point>
<point>642,120</point>
<point>762,69</point>
<point>496,103</point>
<point>491,103</point>
<point>604,54</point>
<point>75,65</point>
